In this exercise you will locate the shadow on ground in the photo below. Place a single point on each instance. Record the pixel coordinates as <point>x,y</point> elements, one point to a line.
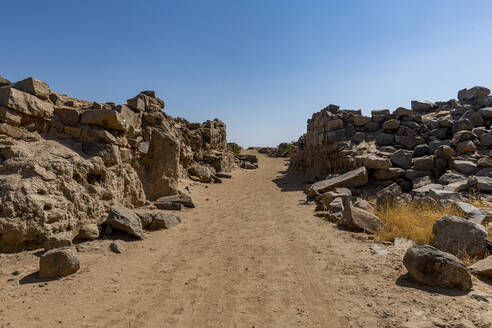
<point>33,278</point>
<point>407,281</point>
<point>292,181</point>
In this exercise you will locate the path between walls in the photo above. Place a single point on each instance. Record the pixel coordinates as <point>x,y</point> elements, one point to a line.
<point>250,255</point>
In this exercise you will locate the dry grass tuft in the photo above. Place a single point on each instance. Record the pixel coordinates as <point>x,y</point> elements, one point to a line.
<point>412,221</point>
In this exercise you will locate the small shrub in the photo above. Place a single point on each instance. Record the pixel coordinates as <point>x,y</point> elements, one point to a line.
<point>236,149</point>
<point>287,150</point>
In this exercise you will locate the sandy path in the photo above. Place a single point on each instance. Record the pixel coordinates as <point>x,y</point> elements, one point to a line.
<point>250,255</point>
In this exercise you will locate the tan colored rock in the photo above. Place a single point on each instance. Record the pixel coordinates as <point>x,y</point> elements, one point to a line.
<point>58,263</point>
<point>10,116</point>
<point>25,103</point>
<point>355,178</point>
<point>11,131</point>
<point>482,267</point>
<point>106,118</point>
<point>33,86</point>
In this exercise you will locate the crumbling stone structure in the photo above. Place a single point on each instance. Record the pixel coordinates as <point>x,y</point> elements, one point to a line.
<point>64,161</point>
<point>443,145</point>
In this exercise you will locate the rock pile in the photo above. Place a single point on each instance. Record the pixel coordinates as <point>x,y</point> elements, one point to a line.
<point>434,154</point>
<point>444,143</point>
<point>65,162</point>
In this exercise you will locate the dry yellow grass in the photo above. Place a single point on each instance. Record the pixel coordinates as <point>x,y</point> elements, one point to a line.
<point>412,221</point>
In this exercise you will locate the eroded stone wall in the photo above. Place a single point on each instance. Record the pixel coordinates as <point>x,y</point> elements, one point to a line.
<point>65,161</point>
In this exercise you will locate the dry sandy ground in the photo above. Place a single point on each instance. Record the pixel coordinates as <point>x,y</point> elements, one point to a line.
<point>250,255</point>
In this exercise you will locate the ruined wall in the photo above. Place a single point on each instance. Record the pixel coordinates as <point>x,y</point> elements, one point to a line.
<point>65,161</point>
<point>431,142</point>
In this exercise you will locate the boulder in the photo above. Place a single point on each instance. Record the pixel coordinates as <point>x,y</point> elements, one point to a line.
<point>474,117</point>
<point>88,232</point>
<point>180,199</point>
<point>463,124</point>
<point>34,87</point>
<point>484,162</point>
<point>68,115</point>
<point>164,221</point>
<point>224,175</point>
<point>106,118</point>
<point>421,150</point>
<point>444,152</point>
<point>482,267</point>
<point>388,174</point>
<point>359,219</point>
<point>473,94</point>
<point>424,163</point>
<point>430,266</point>
<point>170,206</point>
<point>360,120</point>
<point>391,124</point>
<point>486,113</point>
<point>116,247</point>
<point>422,105</point>
<point>326,198</point>
<point>384,139</point>
<point>484,184</point>
<point>365,221</point>
<point>402,158</point>
<point>486,140</point>
<point>444,196</point>
<point>460,237</point>
<point>201,172</point>
<point>466,147</point>
<point>25,103</point>
<point>465,167</point>
<point>377,163</point>
<point>462,136</point>
<point>58,263</point>
<point>390,196</point>
<point>354,178</point>
<point>10,116</point>
<point>471,212</point>
<point>124,219</point>
<point>451,176</point>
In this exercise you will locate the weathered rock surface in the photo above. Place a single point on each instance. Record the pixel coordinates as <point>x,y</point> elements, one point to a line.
<point>430,266</point>
<point>64,161</point>
<point>58,262</point>
<point>353,178</point>
<point>482,267</point>
<point>124,219</point>
<point>428,140</point>
<point>180,199</point>
<point>460,237</point>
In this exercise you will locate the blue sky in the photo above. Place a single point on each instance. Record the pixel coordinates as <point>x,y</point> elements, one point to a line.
<point>263,67</point>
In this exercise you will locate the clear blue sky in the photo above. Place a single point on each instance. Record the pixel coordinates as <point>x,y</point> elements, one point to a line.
<point>263,67</point>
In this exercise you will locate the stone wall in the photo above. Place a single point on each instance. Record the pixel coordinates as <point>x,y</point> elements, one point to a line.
<point>65,161</point>
<point>442,142</point>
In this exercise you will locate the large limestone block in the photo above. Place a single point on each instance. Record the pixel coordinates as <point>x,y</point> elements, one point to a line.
<point>58,262</point>
<point>25,103</point>
<point>354,178</point>
<point>430,266</point>
<point>459,236</point>
<point>106,118</point>
<point>483,267</point>
<point>33,86</point>
<point>124,219</point>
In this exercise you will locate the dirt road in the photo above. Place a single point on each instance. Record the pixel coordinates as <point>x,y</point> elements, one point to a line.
<point>250,255</point>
